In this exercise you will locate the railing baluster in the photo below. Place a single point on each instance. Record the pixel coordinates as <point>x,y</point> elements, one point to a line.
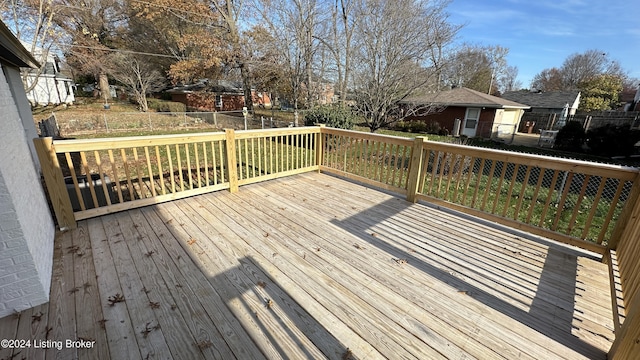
<point>567,185</point>
<point>522,191</point>
<point>74,178</point>
<point>171,172</point>
<point>514,178</point>
<point>594,207</point>
<point>205,158</point>
<point>253,159</point>
<point>198,168</point>
<point>223,166</point>
<point>487,189</point>
<point>87,171</point>
<point>578,204</point>
<point>187,155</point>
<point>434,171</point>
<point>105,191</point>
<point>116,176</point>
<point>552,190</point>
<point>180,170</point>
<point>382,156</point>
<point>160,172</point>
<point>463,160</point>
<point>152,181</point>
<point>479,177</point>
<point>496,200</point>
<point>140,183</point>
<point>610,213</point>
<point>271,171</point>
<point>127,173</point>
<point>452,165</point>
<point>534,199</point>
<point>472,166</point>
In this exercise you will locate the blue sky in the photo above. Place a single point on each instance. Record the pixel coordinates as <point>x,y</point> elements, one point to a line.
<point>542,34</point>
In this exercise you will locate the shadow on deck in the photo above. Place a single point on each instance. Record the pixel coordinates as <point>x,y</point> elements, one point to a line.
<point>312,266</point>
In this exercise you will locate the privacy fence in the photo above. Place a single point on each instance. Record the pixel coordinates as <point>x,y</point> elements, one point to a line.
<point>543,121</point>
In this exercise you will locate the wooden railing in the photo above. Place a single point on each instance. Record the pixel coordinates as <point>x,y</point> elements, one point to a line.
<point>593,206</point>
<point>575,202</point>
<point>624,265</point>
<point>87,178</point>
<point>382,161</point>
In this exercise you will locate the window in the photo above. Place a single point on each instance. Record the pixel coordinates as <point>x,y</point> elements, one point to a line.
<point>473,115</point>
<point>219,101</point>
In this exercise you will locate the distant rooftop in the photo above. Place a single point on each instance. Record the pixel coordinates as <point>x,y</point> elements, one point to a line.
<point>465,97</point>
<point>548,100</point>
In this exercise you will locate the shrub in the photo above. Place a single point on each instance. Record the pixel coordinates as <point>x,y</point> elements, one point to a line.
<point>166,106</point>
<point>610,140</point>
<point>570,137</point>
<point>332,116</point>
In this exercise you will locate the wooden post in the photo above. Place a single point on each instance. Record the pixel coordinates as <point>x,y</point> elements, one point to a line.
<point>55,183</point>
<point>415,168</point>
<point>320,146</point>
<point>626,342</point>
<point>232,163</point>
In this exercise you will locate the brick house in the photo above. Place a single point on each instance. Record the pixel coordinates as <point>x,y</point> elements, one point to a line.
<point>479,114</point>
<point>26,227</point>
<point>220,95</point>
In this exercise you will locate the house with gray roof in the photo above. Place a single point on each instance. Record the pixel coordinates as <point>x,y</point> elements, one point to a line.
<point>562,103</point>
<point>468,112</point>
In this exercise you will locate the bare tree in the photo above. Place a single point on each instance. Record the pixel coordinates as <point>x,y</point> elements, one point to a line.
<point>476,67</point>
<point>337,37</point>
<point>392,60</point>
<point>548,80</point>
<point>94,28</point>
<point>508,81</point>
<point>292,24</point>
<point>32,22</point>
<point>230,12</point>
<point>577,69</point>
<point>138,76</point>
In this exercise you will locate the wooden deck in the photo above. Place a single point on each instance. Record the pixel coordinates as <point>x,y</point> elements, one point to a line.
<point>311,266</point>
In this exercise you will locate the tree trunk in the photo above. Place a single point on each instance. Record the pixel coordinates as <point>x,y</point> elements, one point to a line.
<point>246,86</point>
<point>103,83</point>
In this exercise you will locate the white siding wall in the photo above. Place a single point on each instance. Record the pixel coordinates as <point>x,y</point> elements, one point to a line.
<point>26,228</point>
<point>50,90</point>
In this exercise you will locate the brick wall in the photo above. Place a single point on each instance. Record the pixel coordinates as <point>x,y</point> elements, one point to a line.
<point>26,227</point>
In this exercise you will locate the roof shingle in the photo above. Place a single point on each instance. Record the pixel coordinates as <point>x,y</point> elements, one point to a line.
<point>465,97</point>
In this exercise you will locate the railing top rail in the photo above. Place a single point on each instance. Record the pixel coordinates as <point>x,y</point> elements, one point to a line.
<point>593,168</point>
<point>63,146</point>
<point>369,136</point>
<point>247,134</point>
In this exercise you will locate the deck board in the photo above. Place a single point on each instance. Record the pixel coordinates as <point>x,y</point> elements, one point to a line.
<point>312,266</point>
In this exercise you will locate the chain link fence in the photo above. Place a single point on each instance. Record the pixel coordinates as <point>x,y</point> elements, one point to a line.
<point>73,123</point>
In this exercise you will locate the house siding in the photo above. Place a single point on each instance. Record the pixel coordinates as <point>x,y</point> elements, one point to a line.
<point>446,119</point>
<point>205,101</point>
<point>50,90</point>
<point>26,227</point>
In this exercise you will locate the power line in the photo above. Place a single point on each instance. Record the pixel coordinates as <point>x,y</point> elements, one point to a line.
<point>122,51</point>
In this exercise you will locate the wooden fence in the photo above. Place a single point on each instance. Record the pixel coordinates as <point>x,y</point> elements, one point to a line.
<point>593,206</point>
<point>109,175</point>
